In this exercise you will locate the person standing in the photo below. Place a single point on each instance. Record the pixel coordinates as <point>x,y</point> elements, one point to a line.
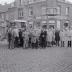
<point>53,36</point>
<point>30,36</point>
<point>26,38</point>
<point>43,38</point>
<point>66,37</point>
<point>49,37</point>
<point>16,37</point>
<point>21,40</point>
<point>57,37</point>
<point>62,34</point>
<point>38,35</point>
<point>9,37</point>
<point>69,37</point>
<point>33,40</point>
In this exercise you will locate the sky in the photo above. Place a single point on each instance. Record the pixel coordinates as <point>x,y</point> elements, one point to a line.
<point>9,1</point>
<point>69,0</point>
<point>5,1</point>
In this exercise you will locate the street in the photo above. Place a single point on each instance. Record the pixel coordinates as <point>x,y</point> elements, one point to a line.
<point>36,60</point>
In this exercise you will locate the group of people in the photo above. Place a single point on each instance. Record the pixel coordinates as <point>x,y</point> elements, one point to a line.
<point>39,37</point>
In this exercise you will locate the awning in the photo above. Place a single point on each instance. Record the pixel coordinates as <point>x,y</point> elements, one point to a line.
<point>20,20</point>
<point>17,21</point>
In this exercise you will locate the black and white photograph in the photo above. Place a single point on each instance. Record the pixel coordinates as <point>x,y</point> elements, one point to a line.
<point>35,35</point>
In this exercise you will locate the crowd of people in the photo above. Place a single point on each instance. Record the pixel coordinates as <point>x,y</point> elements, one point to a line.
<point>39,38</point>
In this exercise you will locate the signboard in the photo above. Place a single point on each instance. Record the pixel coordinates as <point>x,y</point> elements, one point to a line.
<point>58,17</point>
<point>44,22</point>
<point>51,21</point>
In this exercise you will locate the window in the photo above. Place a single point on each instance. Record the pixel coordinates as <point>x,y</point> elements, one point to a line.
<point>31,1</point>
<point>58,10</point>
<point>52,11</point>
<point>25,2</point>
<point>30,11</point>
<point>67,11</point>
<point>20,12</point>
<point>43,10</point>
<point>20,2</point>
<point>55,11</point>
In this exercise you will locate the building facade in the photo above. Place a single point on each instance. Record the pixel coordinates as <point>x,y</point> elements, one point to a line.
<point>3,18</point>
<point>53,13</point>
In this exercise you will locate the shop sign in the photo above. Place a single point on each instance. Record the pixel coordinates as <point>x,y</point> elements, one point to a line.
<point>51,21</point>
<point>58,17</point>
<point>44,22</point>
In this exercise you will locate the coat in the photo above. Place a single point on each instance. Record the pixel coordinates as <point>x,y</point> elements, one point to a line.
<point>49,36</point>
<point>62,35</point>
<point>66,35</point>
<point>57,36</point>
<point>71,34</point>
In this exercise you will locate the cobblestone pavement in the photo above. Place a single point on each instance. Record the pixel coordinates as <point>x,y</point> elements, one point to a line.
<point>36,60</point>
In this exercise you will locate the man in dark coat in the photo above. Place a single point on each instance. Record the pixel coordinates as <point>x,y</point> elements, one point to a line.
<point>57,37</point>
<point>42,38</point>
<point>21,40</point>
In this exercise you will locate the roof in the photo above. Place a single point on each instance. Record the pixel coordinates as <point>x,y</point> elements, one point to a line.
<point>4,8</point>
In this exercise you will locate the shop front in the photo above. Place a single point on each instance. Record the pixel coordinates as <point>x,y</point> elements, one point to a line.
<point>57,22</point>
<point>51,23</point>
